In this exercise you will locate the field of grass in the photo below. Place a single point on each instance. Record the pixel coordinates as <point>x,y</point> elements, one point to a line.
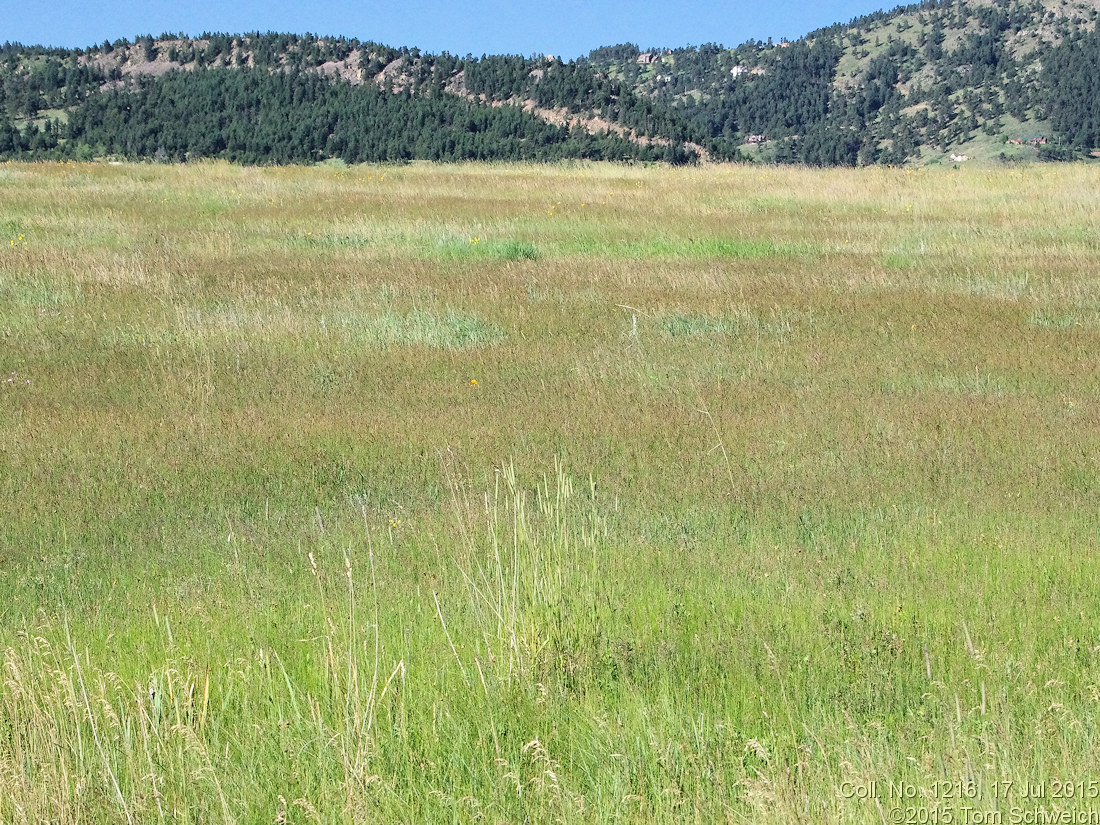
<point>529,494</point>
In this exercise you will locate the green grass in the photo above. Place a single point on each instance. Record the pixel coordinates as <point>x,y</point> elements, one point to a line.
<point>584,493</point>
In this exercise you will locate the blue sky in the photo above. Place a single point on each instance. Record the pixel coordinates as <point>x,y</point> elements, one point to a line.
<point>567,28</point>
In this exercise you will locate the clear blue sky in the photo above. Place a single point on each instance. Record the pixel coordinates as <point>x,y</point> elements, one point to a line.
<point>567,28</point>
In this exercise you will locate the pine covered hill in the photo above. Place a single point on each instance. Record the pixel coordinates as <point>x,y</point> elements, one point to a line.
<point>1000,80</point>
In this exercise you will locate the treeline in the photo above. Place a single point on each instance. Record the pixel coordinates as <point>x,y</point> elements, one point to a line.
<point>785,94</point>
<point>1071,89</point>
<point>789,99</point>
<point>577,88</point>
<point>45,81</point>
<point>255,116</point>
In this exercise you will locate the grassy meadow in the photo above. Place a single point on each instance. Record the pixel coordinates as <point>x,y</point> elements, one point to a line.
<point>578,493</point>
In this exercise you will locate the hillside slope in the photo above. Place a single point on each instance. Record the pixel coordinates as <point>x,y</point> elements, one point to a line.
<point>989,79</point>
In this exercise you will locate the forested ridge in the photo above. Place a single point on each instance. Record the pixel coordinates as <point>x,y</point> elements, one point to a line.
<point>254,116</point>
<point>913,84</point>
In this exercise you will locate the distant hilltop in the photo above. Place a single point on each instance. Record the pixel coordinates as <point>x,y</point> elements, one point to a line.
<point>990,80</point>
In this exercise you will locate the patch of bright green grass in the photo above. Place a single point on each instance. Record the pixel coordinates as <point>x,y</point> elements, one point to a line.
<point>477,248</point>
<point>719,248</point>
